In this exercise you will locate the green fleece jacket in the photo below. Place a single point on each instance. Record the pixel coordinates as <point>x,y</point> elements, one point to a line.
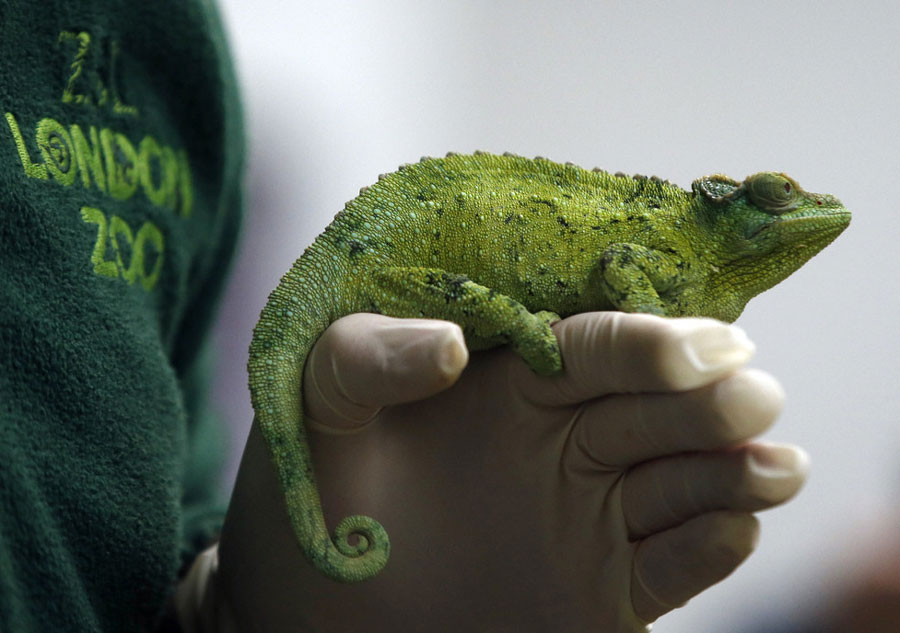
<point>120,165</point>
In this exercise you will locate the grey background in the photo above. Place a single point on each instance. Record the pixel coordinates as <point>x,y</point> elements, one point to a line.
<point>337,92</point>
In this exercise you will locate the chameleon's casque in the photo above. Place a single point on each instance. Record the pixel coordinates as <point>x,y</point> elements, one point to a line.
<point>505,245</point>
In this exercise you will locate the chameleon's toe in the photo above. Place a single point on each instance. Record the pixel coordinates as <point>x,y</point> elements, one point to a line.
<point>548,317</point>
<point>540,349</point>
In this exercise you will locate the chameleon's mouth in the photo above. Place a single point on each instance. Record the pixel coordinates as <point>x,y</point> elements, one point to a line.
<point>760,229</point>
<point>837,219</point>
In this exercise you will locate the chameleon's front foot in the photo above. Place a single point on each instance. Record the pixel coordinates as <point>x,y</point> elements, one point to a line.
<point>632,274</point>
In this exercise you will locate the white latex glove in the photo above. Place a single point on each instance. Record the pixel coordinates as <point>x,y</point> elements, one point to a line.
<point>594,501</point>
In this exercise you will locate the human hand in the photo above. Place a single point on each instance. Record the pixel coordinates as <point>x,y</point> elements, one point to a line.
<point>597,500</point>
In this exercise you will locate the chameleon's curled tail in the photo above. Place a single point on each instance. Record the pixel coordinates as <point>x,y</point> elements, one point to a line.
<point>288,326</point>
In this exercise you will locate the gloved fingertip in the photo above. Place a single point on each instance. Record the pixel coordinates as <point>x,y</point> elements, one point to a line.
<point>703,350</point>
<point>400,360</point>
<point>749,401</point>
<point>779,461</point>
<point>450,352</point>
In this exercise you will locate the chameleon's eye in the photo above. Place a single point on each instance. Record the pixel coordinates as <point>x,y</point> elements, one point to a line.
<point>772,192</point>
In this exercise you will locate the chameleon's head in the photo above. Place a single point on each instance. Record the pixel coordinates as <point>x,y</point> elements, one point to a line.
<point>762,230</point>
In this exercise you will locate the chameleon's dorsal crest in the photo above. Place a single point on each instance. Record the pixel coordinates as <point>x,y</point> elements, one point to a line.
<point>716,188</point>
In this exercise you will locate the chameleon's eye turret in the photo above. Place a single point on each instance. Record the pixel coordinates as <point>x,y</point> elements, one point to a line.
<point>775,193</point>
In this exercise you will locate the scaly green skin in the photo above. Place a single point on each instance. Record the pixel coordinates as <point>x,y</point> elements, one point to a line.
<point>505,245</point>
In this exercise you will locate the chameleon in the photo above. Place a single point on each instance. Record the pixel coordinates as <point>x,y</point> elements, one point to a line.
<point>505,246</point>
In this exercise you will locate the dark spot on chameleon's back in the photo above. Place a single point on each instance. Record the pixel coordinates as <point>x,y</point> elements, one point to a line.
<point>508,219</point>
<point>356,248</point>
<point>560,283</point>
<point>425,194</point>
<point>614,221</point>
<point>562,221</point>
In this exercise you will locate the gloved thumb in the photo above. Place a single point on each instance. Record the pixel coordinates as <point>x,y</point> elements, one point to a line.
<point>366,361</point>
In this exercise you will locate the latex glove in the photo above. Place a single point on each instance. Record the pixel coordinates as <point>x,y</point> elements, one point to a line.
<point>593,501</point>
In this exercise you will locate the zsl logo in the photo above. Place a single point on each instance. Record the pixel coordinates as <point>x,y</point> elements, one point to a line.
<point>109,161</point>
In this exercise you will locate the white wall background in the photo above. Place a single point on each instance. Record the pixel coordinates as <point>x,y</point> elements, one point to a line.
<point>337,92</point>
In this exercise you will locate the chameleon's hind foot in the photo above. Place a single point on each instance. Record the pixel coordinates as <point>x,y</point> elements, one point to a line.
<point>538,346</point>
<point>548,317</point>
<point>487,318</point>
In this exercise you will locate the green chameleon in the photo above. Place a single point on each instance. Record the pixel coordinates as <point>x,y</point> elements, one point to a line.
<point>504,246</point>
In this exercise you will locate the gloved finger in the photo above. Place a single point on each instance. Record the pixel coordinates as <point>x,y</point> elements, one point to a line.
<point>365,361</point>
<point>627,429</point>
<point>661,494</point>
<point>614,352</point>
<point>672,567</point>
